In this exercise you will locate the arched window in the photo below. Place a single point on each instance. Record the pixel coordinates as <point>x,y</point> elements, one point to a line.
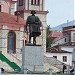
<point>11,43</point>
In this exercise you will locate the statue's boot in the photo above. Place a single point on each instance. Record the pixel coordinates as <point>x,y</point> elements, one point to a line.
<point>34,42</point>
<point>29,38</point>
<point>29,41</point>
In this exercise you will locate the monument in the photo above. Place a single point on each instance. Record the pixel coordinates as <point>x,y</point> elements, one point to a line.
<point>34,24</point>
<point>33,54</point>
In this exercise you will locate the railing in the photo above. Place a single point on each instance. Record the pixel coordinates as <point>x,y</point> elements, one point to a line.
<point>11,64</point>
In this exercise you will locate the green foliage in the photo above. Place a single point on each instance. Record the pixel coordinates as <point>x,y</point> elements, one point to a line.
<point>48,39</point>
<point>48,42</point>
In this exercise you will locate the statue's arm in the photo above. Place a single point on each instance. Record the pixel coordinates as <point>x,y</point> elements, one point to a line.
<point>27,22</point>
<point>40,23</point>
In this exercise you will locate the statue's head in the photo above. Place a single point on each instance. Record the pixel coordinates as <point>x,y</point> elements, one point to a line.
<point>33,12</point>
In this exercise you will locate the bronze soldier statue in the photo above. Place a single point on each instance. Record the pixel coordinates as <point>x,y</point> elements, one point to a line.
<point>34,26</point>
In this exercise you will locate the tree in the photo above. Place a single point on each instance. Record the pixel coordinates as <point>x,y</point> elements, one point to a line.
<point>48,39</point>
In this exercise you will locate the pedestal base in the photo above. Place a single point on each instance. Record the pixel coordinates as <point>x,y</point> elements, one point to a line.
<point>33,58</point>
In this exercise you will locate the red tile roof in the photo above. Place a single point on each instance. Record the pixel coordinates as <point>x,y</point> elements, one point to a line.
<point>58,38</point>
<point>11,20</point>
<point>55,34</point>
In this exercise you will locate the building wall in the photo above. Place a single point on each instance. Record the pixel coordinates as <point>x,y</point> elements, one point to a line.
<point>36,7</point>
<point>72,36</point>
<point>27,5</point>
<point>61,41</point>
<point>17,58</point>
<point>60,57</point>
<point>6,7</point>
<point>4,38</point>
<point>21,7</point>
<point>12,9</point>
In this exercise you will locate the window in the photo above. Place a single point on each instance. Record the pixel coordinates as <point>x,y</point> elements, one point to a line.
<point>55,57</point>
<point>35,2</point>
<point>11,43</point>
<point>74,37</point>
<point>20,2</point>
<point>65,39</point>
<point>38,2</point>
<point>32,2</point>
<point>64,58</point>
<point>0,8</point>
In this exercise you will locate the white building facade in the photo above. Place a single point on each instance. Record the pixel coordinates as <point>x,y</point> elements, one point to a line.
<point>62,57</point>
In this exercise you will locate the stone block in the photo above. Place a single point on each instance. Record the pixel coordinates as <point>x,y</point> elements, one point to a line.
<point>33,58</point>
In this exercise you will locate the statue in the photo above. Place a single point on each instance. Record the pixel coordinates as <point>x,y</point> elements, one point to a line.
<point>34,26</point>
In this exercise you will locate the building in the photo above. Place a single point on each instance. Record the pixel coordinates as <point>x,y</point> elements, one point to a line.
<point>59,54</point>
<point>64,40</point>
<point>56,36</point>
<point>56,57</point>
<point>7,6</point>
<point>25,7</point>
<point>12,37</point>
<point>67,36</point>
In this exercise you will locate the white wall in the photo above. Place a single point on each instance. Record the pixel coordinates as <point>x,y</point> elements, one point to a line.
<point>60,57</point>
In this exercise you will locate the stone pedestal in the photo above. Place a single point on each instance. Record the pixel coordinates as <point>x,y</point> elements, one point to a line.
<point>33,58</point>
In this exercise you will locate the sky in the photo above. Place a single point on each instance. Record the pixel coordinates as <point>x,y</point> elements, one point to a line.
<point>59,11</point>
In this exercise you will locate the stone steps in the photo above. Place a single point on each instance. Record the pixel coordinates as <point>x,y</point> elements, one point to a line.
<point>54,64</point>
<point>15,58</point>
<point>48,66</point>
<point>13,65</point>
<point>5,66</point>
